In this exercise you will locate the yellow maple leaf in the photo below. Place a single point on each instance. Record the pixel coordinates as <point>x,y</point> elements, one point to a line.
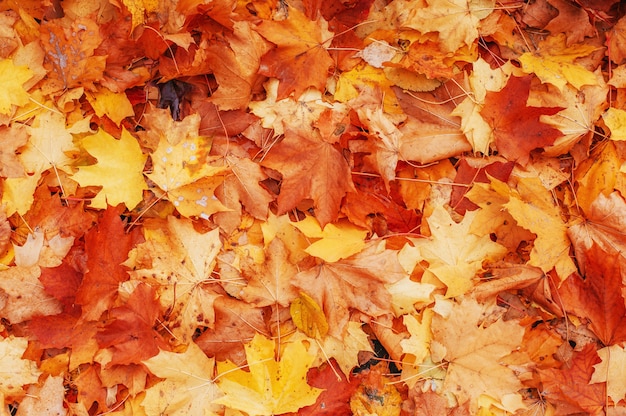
<point>418,343</point>
<point>336,241</point>
<point>187,389</point>
<point>17,194</point>
<point>457,21</point>
<point>51,143</point>
<point>119,170</point>
<point>453,252</point>
<point>532,207</point>
<point>553,62</point>
<point>406,293</point>
<point>612,370</point>
<point>416,348</point>
<point>15,372</point>
<point>11,80</point>
<point>185,178</point>
<point>116,106</point>
<point>270,386</point>
<point>615,120</point>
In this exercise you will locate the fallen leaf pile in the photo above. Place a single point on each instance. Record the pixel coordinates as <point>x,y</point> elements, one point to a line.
<point>394,207</point>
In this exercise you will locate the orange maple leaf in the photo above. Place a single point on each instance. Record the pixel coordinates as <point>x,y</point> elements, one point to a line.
<point>312,169</point>
<point>569,387</point>
<point>70,47</point>
<point>130,335</point>
<point>357,282</point>
<point>599,296</point>
<point>107,248</point>
<point>300,61</point>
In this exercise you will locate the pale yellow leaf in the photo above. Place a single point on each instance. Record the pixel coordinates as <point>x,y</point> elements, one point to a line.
<point>335,241</point>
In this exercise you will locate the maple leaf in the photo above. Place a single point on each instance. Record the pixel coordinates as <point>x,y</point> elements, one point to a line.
<point>336,241</point>
<point>11,80</point>
<point>176,260</point>
<point>242,187</point>
<point>516,126</point>
<point>569,387</point>
<point>65,331</point>
<point>346,349</point>
<point>598,298</point>
<point>51,143</point>
<point>474,352</point>
<point>107,247</point>
<point>576,121</point>
<point>572,20</point>
<point>603,227</point>
<point>237,322</point>
<point>481,80</point>
<point>70,46</point>
<point>188,387</point>
<point>181,173</point>
<point>235,66</point>
<point>611,371</point>
<point>383,144</point>
<point>118,170</point>
<point>270,282</point>
<point>335,399</point>
<point>16,372</point>
<point>456,21</point>
<point>376,394</point>
<point>300,60</point>
<point>431,133</point>
<point>534,211</point>
<point>615,120</point>
<point>351,83</point>
<point>454,253</point>
<point>271,386</point>
<point>312,169</point>
<point>356,282</point>
<point>130,335</point>
<point>418,344</point>
<point>300,112</point>
<point>115,105</point>
<point>55,218</point>
<point>596,175</point>
<point>139,8</point>
<point>553,62</point>
<point>44,400</point>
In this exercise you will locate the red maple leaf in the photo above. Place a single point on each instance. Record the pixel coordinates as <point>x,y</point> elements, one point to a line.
<point>62,282</point>
<point>107,248</point>
<point>516,126</point>
<point>130,335</point>
<point>598,297</point>
<point>335,399</point>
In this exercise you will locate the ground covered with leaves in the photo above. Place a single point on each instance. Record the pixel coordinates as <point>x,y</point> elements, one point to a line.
<point>312,207</point>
